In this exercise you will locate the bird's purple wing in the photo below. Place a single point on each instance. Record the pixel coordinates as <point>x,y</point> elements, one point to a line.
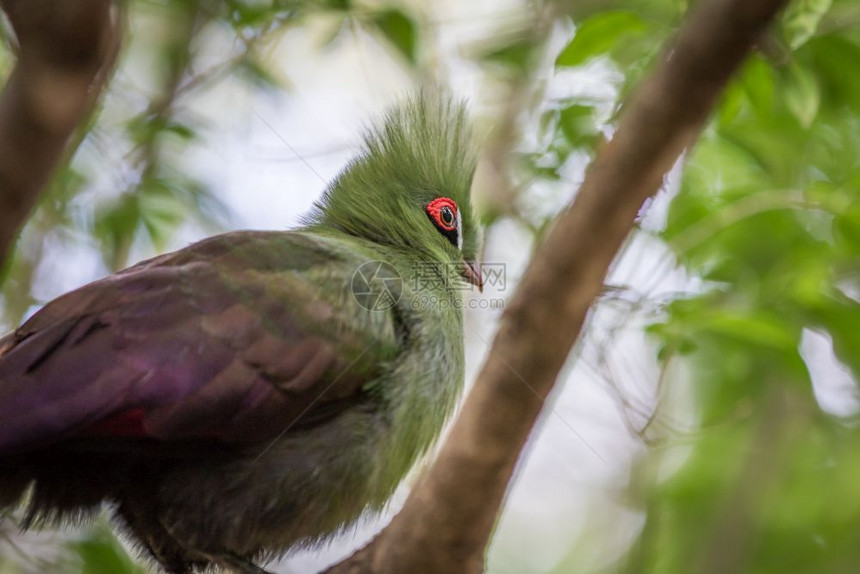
<point>193,345</point>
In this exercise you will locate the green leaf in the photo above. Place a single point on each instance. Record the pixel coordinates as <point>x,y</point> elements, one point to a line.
<point>257,73</point>
<point>336,5</point>
<point>833,58</point>
<point>256,14</point>
<point>100,553</point>
<point>731,103</point>
<point>401,32</point>
<point>161,211</point>
<point>758,83</point>
<point>802,18</point>
<point>181,130</point>
<point>598,35</point>
<point>759,328</point>
<point>516,55</point>
<point>115,226</point>
<point>578,126</point>
<point>802,94</point>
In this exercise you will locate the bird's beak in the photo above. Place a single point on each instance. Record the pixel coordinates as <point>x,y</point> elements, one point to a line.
<point>472,273</point>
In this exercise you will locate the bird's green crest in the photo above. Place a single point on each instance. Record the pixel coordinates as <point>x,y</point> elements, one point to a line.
<point>421,150</point>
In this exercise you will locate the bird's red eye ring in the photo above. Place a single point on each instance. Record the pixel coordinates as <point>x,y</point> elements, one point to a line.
<point>443,213</point>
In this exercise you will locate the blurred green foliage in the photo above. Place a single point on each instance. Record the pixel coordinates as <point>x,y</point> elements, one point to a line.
<point>768,217</point>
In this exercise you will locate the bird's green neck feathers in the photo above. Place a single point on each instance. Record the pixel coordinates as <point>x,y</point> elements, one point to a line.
<point>421,151</point>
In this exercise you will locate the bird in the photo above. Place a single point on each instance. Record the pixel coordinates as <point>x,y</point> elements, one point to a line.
<point>258,391</point>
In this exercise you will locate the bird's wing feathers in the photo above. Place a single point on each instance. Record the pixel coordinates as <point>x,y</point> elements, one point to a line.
<point>230,340</point>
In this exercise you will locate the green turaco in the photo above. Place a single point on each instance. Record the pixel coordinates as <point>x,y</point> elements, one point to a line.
<point>257,391</point>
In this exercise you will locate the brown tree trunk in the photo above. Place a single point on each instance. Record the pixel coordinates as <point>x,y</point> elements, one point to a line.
<point>66,48</point>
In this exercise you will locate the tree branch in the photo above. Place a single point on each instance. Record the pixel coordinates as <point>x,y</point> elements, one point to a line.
<point>449,516</point>
<point>66,49</point>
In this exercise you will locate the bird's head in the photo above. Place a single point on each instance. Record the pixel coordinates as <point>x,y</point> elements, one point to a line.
<point>410,185</point>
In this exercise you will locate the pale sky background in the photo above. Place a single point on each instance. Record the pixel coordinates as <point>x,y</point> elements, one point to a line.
<point>569,497</point>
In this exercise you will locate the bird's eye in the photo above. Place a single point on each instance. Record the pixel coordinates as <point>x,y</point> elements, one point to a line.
<point>446,216</point>
<point>442,211</point>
